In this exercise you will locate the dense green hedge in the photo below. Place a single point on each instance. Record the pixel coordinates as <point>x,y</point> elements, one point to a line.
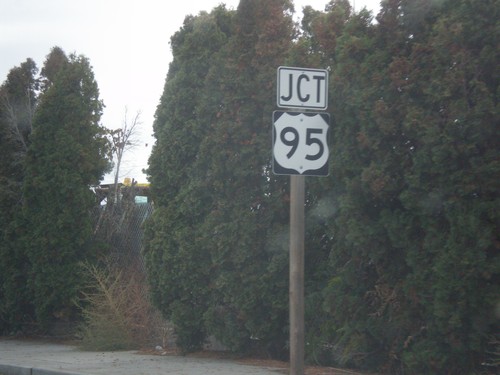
<point>53,150</point>
<point>402,260</point>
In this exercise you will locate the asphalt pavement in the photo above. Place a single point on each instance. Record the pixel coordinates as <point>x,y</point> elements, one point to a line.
<point>27,357</point>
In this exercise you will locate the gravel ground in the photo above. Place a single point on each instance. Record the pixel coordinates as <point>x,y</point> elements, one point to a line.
<point>61,357</point>
<point>64,357</point>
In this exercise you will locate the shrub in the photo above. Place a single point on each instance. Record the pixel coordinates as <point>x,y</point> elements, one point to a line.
<point>117,312</point>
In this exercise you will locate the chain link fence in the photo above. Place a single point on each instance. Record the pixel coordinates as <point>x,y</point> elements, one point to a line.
<point>118,223</point>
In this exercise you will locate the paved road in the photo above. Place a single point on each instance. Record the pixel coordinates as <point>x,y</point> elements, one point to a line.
<point>40,358</point>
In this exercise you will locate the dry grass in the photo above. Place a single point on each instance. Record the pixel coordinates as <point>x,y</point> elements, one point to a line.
<point>117,311</point>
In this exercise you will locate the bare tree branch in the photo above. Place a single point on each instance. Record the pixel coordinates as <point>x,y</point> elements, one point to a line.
<point>13,121</point>
<point>124,139</point>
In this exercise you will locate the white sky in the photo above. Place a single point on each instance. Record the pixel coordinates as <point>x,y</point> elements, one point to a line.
<point>126,41</point>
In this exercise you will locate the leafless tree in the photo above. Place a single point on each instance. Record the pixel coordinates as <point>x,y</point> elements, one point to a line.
<point>122,140</point>
<point>19,129</point>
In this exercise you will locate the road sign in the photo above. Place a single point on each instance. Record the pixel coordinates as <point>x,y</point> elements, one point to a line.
<point>300,143</point>
<point>302,88</point>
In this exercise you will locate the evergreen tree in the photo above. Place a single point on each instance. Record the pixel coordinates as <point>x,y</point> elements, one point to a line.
<point>177,262</point>
<point>207,251</point>
<point>18,97</point>
<point>451,89</point>
<point>246,222</point>
<point>413,259</point>
<point>371,152</point>
<point>66,156</point>
<point>401,239</point>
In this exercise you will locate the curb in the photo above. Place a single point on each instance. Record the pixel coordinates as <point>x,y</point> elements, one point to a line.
<point>39,371</point>
<point>14,370</point>
<point>20,370</point>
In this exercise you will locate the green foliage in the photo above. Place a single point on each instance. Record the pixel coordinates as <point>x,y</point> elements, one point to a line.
<point>206,251</point>
<point>175,265</point>
<point>17,105</point>
<point>65,157</point>
<point>453,206</point>
<point>414,260</point>
<point>402,239</point>
<point>53,149</point>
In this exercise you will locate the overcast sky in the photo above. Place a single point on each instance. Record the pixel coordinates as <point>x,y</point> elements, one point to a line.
<point>126,41</point>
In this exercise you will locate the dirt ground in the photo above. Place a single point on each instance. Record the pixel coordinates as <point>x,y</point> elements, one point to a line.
<point>275,365</point>
<point>310,370</point>
<point>279,366</point>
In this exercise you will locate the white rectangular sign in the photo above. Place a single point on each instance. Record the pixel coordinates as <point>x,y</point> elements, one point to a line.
<point>302,88</point>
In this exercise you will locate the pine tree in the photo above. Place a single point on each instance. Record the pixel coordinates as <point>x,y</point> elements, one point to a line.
<point>207,250</point>
<point>402,237</point>
<point>248,301</point>
<point>453,186</point>
<point>66,156</point>
<point>413,243</point>
<point>177,261</point>
<point>18,97</point>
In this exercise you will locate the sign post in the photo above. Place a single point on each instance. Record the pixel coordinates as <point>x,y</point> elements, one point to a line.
<point>296,288</point>
<point>300,149</point>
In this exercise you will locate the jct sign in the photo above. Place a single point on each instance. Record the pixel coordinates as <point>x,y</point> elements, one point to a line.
<point>300,148</point>
<point>302,88</point>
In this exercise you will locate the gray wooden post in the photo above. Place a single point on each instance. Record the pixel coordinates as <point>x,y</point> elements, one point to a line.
<point>297,233</point>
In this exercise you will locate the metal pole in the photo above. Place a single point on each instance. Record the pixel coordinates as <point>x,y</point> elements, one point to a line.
<point>297,230</point>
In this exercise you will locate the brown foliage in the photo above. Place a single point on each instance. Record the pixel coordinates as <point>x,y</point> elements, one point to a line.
<point>117,311</point>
